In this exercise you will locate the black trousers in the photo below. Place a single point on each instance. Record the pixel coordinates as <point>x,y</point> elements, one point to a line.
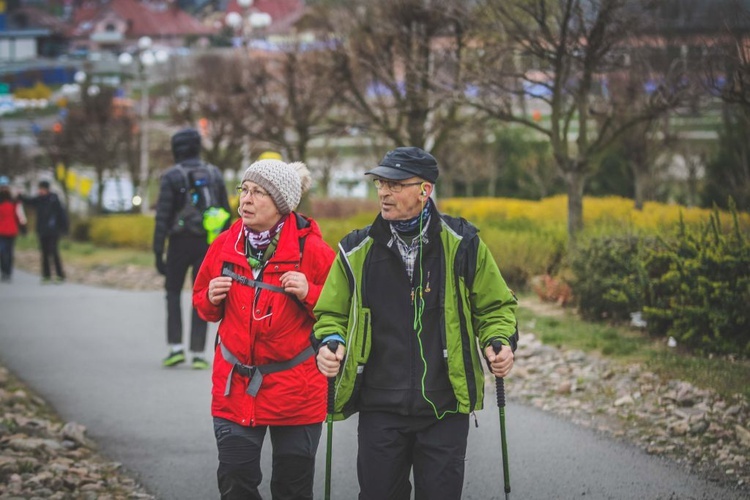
<point>390,445</point>
<point>239,473</point>
<point>49,246</point>
<point>6,255</point>
<point>183,253</point>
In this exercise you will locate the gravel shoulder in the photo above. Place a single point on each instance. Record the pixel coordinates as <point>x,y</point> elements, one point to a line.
<point>40,456</point>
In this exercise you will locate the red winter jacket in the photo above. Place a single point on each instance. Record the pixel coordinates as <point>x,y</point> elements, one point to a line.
<point>296,396</point>
<point>9,221</point>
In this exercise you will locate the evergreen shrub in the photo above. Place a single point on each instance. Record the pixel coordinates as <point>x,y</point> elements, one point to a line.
<point>700,287</point>
<point>610,279</point>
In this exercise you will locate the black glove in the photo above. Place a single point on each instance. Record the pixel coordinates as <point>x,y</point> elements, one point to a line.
<point>161,266</point>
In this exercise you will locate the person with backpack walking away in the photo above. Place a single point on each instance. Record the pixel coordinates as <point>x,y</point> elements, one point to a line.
<point>191,194</point>
<point>409,300</point>
<point>12,222</point>
<point>51,224</point>
<point>260,280</point>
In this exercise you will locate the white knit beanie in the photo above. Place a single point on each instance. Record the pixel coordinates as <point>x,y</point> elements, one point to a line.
<point>285,182</point>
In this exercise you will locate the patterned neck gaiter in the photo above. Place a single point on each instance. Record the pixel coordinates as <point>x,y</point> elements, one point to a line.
<point>259,246</point>
<point>411,226</point>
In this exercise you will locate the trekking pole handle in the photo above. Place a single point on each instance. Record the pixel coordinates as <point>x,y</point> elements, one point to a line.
<point>333,345</point>
<point>499,381</point>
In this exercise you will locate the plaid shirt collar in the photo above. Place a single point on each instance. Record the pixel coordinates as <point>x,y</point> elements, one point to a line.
<point>409,252</point>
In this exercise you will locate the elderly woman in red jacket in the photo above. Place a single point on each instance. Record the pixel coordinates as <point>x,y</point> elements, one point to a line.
<point>261,279</point>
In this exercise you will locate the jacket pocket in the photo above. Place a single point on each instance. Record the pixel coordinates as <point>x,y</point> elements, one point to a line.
<point>363,341</point>
<point>347,386</point>
<point>351,404</point>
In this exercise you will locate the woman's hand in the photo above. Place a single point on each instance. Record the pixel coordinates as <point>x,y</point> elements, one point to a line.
<point>295,283</point>
<point>218,289</point>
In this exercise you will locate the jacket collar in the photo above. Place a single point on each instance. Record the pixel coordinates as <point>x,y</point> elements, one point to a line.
<point>380,230</point>
<point>287,249</point>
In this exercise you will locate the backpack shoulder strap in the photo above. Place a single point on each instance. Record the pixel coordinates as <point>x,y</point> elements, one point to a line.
<point>186,178</point>
<point>210,193</point>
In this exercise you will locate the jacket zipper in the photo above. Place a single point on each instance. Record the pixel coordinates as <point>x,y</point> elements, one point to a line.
<point>364,335</point>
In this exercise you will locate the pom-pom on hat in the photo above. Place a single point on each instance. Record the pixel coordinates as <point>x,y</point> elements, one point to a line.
<point>285,182</point>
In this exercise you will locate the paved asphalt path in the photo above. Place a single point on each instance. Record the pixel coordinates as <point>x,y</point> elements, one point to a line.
<point>95,354</point>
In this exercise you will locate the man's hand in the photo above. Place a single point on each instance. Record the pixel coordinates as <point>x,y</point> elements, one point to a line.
<point>500,363</point>
<point>161,266</point>
<point>329,362</point>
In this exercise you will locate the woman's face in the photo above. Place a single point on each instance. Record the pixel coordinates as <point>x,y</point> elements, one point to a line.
<point>257,209</point>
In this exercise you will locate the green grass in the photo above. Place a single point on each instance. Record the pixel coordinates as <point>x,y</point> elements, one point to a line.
<point>620,343</point>
<point>88,255</point>
<point>573,333</point>
<point>726,376</point>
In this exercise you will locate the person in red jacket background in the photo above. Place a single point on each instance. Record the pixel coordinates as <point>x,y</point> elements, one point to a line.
<point>261,280</point>
<point>12,221</point>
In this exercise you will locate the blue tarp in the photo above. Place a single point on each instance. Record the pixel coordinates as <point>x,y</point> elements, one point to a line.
<point>48,75</point>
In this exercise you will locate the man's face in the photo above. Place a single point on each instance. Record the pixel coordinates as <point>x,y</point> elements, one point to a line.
<point>401,199</point>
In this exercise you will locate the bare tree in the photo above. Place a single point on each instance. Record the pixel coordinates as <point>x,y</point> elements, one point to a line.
<point>292,98</point>
<point>13,159</point>
<point>280,99</point>
<point>469,161</point>
<point>212,101</point>
<point>728,62</point>
<point>95,134</point>
<point>648,136</point>
<point>728,78</point>
<point>400,63</point>
<point>556,53</point>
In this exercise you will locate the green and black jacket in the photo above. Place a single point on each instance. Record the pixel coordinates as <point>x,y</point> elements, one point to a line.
<point>366,289</point>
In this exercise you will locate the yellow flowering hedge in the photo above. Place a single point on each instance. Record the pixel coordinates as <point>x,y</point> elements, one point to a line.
<point>526,237</point>
<point>611,212</point>
<point>128,231</point>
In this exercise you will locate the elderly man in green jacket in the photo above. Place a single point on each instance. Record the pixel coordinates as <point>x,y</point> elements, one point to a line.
<point>407,300</point>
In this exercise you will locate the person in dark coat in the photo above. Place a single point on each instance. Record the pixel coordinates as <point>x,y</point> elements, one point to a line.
<point>186,248</point>
<point>51,224</point>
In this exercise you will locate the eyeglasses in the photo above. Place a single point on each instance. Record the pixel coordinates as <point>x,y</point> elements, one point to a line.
<point>255,194</point>
<point>393,186</point>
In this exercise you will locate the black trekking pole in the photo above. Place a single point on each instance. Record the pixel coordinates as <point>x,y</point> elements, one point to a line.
<point>333,345</point>
<point>500,389</point>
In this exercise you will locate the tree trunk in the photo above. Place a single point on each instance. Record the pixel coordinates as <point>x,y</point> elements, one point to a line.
<point>640,181</point>
<point>575,181</point>
<point>100,191</point>
<point>492,186</point>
